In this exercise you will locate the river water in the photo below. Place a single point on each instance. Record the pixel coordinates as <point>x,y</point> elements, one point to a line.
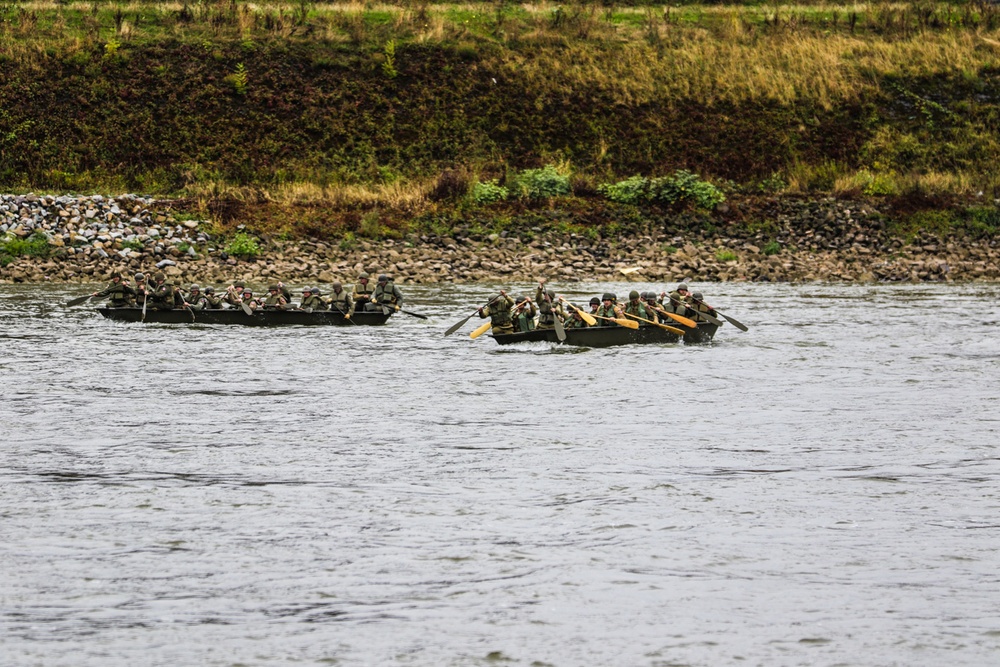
<point>822,490</point>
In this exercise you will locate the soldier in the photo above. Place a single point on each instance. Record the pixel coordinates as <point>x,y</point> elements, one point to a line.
<point>275,300</point>
<point>385,294</point>
<point>234,294</point>
<point>117,291</point>
<point>699,306</point>
<point>340,300</point>
<point>608,309</point>
<point>548,308</point>
<point>498,310</point>
<point>162,296</point>
<point>284,292</point>
<point>595,303</point>
<point>677,301</point>
<point>196,300</point>
<point>575,320</point>
<point>524,314</point>
<point>140,289</point>
<point>311,300</point>
<point>362,292</point>
<point>213,302</point>
<point>636,306</point>
<point>250,300</point>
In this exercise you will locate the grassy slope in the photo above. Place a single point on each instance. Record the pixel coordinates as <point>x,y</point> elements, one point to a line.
<point>154,100</point>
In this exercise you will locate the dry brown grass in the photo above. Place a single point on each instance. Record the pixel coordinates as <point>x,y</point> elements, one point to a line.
<point>398,196</point>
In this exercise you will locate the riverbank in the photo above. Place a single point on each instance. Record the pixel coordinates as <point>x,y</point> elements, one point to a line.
<point>771,239</point>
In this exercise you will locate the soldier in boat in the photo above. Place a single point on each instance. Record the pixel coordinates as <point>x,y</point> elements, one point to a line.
<point>575,320</point>
<point>212,302</point>
<point>498,310</point>
<point>385,294</point>
<point>676,301</point>
<point>595,303</point>
<point>548,308</point>
<point>140,289</point>
<point>362,292</point>
<point>179,301</point>
<point>195,299</point>
<point>311,300</point>
<point>523,315</point>
<point>252,302</point>
<point>340,300</point>
<point>284,292</point>
<point>234,294</point>
<point>636,306</point>
<point>698,306</point>
<point>162,296</point>
<point>608,309</point>
<point>275,300</point>
<point>118,292</point>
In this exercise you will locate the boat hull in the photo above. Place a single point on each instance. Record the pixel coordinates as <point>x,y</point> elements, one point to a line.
<point>612,335</point>
<point>265,318</point>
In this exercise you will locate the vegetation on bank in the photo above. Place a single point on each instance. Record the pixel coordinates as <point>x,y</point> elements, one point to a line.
<point>369,119</point>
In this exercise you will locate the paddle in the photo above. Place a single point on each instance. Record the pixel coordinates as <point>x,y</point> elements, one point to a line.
<point>483,328</point>
<point>556,322</point>
<point>78,301</point>
<point>680,319</point>
<point>455,327</point>
<point>628,324</point>
<point>412,314</point>
<point>667,327</point>
<point>145,300</point>
<point>347,316</point>
<point>736,323</point>
<point>188,308</point>
<point>587,317</point>
<point>714,320</point>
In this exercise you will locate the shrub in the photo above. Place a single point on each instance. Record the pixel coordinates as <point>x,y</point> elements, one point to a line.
<point>771,248</point>
<point>389,64</point>
<point>540,183</point>
<point>133,244</point>
<point>36,245</point>
<point>239,80</point>
<point>243,245</point>
<point>681,189</point>
<point>487,193</point>
<point>451,184</point>
<point>980,221</point>
<point>723,255</point>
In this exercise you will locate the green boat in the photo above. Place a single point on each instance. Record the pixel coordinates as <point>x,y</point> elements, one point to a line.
<point>260,318</point>
<point>608,336</point>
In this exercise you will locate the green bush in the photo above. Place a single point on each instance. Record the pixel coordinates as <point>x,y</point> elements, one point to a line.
<point>132,245</point>
<point>243,245</point>
<point>771,248</point>
<point>681,189</point>
<point>540,183</point>
<point>36,245</point>
<point>723,255</point>
<point>487,193</point>
<point>981,221</point>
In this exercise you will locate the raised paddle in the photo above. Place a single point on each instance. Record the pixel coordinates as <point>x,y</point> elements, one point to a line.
<point>714,320</point>
<point>628,324</point>
<point>483,328</point>
<point>455,327</point>
<point>556,322</point>
<point>79,300</point>
<point>587,317</point>
<point>736,323</point>
<point>680,319</point>
<point>667,327</point>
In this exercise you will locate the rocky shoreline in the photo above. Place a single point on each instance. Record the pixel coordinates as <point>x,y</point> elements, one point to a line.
<point>804,240</point>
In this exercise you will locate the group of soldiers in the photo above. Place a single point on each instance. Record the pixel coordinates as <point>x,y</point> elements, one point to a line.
<point>159,294</point>
<point>508,315</point>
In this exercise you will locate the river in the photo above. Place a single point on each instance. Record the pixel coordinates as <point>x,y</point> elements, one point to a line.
<point>822,490</point>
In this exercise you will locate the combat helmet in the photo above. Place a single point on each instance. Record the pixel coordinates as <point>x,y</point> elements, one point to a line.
<point>633,295</point>
<point>363,275</point>
<point>337,285</point>
<point>696,296</point>
<point>594,301</point>
<point>682,286</point>
<point>383,278</point>
<point>314,290</point>
<point>160,277</point>
<point>209,290</point>
<point>521,299</point>
<point>138,277</point>
<point>194,288</point>
<point>273,288</point>
<point>307,290</point>
<point>608,296</point>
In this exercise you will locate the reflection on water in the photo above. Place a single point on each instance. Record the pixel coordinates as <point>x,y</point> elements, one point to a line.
<point>820,490</point>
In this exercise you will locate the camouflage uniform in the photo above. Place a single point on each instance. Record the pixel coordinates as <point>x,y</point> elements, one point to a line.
<point>233,296</point>
<point>340,301</point>
<point>498,310</point>
<point>636,307</point>
<point>385,294</point>
<point>362,291</point>
<point>524,316</point>
<point>196,299</point>
<point>162,296</point>
<point>575,321</point>
<point>274,300</point>
<point>118,293</point>
<point>698,306</point>
<point>212,302</point>
<point>548,309</point>
<point>313,301</point>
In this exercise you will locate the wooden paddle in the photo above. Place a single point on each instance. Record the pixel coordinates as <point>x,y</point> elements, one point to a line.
<point>680,319</point>
<point>736,323</point>
<point>455,327</point>
<point>412,314</point>
<point>483,328</point>
<point>587,317</point>
<point>667,327</point>
<point>347,316</point>
<point>79,300</point>
<point>556,322</point>
<point>714,320</point>
<point>629,324</point>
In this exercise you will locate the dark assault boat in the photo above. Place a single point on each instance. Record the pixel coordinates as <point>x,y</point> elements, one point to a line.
<point>260,318</point>
<point>612,335</point>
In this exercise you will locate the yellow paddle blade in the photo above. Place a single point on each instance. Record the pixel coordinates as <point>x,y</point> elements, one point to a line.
<point>631,324</point>
<point>686,321</point>
<point>480,331</point>
<point>679,332</point>
<point>588,318</point>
